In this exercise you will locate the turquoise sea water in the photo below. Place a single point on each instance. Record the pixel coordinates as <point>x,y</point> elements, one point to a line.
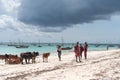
<point>52,48</point>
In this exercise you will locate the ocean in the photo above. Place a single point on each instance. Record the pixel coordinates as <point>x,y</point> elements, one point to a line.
<point>50,47</point>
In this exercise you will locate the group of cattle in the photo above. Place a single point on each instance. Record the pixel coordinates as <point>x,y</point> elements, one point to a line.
<point>25,56</point>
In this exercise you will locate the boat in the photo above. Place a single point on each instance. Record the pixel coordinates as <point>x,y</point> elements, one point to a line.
<point>21,46</point>
<point>34,44</point>
<point>97,45</point>
<point>39,44</point>
<point>65,48</point>
<point>49,44</point>
<point>11,44</point>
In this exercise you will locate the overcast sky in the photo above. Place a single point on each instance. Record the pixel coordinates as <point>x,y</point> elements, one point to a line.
<point>96,21</point>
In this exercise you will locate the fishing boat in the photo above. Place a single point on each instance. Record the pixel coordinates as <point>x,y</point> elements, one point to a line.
<point>97,45</point>
<point>34,44</point>
<point>11,44</point>
<point>49,44</point>
<point>65,48</point>
<point>39,44</point>
<point>21,46</point>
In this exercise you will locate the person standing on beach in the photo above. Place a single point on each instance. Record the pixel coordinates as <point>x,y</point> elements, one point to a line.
<point>81,50</point>
<point>59,50</point>
<point>85,50</point>
<point>77,51</point>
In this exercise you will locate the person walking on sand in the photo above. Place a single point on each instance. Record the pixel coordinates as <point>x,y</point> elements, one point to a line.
<point>59,50</point>
<point>77,51</point>
<point>81,50</point>
<point>85,50</point>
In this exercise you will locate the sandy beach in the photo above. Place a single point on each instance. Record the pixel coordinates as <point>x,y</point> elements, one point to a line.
<point>100,65</point>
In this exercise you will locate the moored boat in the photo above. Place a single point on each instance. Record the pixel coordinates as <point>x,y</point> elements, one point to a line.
<point>21,46</point>
<point>67,48</point>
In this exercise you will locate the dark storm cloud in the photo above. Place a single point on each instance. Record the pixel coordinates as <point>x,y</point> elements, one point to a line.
<point>64,13</point>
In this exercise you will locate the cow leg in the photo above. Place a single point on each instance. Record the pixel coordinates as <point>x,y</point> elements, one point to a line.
<point>29,60</point>
<point>26,61</point>
<point>33,59</point>
<point>6,61</point>
<point>21,60</point>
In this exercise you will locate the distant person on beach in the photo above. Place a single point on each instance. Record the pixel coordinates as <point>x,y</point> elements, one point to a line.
<point>77,51</point>
<point>59,50</point>
<point>85,50</point>
<point>81,50</point>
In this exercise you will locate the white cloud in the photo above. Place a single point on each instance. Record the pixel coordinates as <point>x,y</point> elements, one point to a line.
<point>10,23</point>
<point>10,6</point>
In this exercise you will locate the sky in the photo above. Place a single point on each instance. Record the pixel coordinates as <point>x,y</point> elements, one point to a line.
<point>94,21</point>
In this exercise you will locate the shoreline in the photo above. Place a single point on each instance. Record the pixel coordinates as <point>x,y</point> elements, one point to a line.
<point>62,70</point>
<point>5,49</point>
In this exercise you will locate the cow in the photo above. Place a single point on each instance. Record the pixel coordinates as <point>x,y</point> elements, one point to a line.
<point>34,56</point>
<point>45,56</point>
<point>28,55</point>
<point>14,60</point>
<point>2,57</point>
<point>9,57</point>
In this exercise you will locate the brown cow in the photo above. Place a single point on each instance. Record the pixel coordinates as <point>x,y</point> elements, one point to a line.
<point>45,56</point>
<point>14,60</point>
<point>2,57</point>
<point>10,57</point>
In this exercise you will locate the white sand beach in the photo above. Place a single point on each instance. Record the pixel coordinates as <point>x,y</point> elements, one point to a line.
<point>100,65</point>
